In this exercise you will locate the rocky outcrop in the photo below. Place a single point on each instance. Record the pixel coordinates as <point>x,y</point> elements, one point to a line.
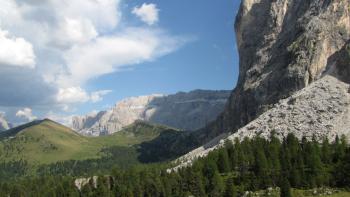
<point>4,125</point>
<point>284,46</point>
<point>81,182</point>
<point>319,110</point>
<point>186,111</point>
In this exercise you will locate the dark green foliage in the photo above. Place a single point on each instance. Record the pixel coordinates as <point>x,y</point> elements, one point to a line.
<point>253,164</point>
<point>285,188</point>
<point>223,161</point>
<point>231,189</point>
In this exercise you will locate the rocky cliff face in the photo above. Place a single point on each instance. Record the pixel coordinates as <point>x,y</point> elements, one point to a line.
<point>294,73</point>
<point>284,46</point>
<point>186,111</point>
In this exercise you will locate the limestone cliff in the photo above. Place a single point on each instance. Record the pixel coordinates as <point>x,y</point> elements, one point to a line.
<point>294,73</point>
<point>186,111</point>
<point>284,46</point>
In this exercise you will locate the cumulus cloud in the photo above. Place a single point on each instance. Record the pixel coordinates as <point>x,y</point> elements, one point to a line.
<point>74,31</point>
<point>73,95</point>
<point>15,51</point>
<point>98,95</point>
<point>61,118</point>
<point>148,13</point>
<point>66,44</point>
<point>26,113</point>
<point>111,53</point>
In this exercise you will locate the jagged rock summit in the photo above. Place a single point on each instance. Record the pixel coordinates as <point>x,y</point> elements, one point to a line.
<point>186,111</point>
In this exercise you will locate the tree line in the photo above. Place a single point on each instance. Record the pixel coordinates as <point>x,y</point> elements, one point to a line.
<point>247,165</point>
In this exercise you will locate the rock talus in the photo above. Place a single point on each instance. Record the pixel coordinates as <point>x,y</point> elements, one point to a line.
<point>284,46</point>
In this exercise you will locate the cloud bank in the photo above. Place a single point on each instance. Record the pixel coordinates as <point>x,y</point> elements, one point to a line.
<point>50,49</point>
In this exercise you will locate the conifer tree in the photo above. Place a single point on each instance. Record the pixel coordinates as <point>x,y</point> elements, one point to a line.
<point>274,158</point>
<point>223,161</point>
<point>230,189</point>
<point>285,188</point>
<point>261,168</point>
<point>216,186</point>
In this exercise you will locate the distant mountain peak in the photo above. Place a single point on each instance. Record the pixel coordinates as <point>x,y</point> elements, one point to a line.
<point>30,125</point>
<point>185,111</point>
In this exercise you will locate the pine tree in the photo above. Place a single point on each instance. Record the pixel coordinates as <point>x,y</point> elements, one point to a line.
<point>285,188</point>
<point>274,158</point>
<point>230,189</point>
<point>326,152</point>
<point>223,161</point>
<point>313,164</point>
<point>261,168</point>
<point>216,187</point>
<point>194,182</point>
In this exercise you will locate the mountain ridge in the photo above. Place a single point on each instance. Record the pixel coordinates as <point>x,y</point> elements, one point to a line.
<point>185,111</point>
<point>43,142</point>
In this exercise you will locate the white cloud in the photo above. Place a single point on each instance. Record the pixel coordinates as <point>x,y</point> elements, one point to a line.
<point>63,119</point>
<point>73,31</point>
<point>26,113</point>
<point>73,95</point>
<point>111,53</point>
<point>15,51</point>
<point>97,96</point>
<point>148,13</point>
<point>74,42</point>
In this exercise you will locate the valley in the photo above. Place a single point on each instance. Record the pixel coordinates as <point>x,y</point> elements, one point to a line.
<point>284,130</point>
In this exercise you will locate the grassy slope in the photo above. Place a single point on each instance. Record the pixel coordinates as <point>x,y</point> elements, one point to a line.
<point>48,142</point>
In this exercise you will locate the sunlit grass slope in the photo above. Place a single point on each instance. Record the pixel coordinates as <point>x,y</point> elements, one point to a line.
<point>44,142</point>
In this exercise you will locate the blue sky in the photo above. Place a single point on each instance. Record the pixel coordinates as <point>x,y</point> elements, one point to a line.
<point>71,57</point>
<point>209,61</point>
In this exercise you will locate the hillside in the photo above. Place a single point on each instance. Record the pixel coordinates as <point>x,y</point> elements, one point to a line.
<point>47,142</point>
<point>184,110</point>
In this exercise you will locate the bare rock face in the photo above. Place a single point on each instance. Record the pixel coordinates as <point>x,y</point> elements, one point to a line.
<point>284,46</point>
<point>186,111</point>
<point>4,125</point>
<point>294,73</point>
<point>319,110</point>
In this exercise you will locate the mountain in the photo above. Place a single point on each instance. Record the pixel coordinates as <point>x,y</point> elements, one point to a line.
<point>284,47</point>
<point>320,110</point>
<point>4,125</point>
<point>46,142</point>
<point>185,111</point>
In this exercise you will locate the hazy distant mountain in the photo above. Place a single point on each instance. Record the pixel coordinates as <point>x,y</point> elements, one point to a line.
<point>186,111</point>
